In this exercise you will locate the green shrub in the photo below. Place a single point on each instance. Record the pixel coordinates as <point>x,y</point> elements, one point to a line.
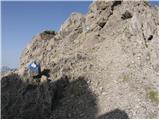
<point>50,32</point>
<point>153,96</point>
<point>125,78</point>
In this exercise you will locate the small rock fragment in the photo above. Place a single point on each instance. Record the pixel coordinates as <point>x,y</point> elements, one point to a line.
<point>44,79</point>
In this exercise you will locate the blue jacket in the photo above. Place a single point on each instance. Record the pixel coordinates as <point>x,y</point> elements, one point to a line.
<point>34,70</point>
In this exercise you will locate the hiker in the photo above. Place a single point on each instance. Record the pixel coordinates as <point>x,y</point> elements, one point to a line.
<point>34,68</point>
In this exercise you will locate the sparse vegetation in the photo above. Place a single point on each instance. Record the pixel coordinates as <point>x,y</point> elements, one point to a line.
<point>50,32</point>
<point>152,95</point>
<point>125,77</point>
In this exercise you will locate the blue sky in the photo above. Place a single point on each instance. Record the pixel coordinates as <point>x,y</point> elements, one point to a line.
<point>22,20</point>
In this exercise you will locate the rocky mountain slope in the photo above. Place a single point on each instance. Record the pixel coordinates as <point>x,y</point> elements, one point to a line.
<point>5,69</point>
<point>100,65</point>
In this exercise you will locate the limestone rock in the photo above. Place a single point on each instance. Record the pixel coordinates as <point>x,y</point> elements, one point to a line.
<point>74,22</point>
<point>115,43</point>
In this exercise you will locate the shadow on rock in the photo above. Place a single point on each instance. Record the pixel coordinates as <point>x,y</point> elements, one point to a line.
<point>45,72</point>
<point>24,100</point>
<point>56,99</point>
<point>115,114</point>
<point>77,101</point>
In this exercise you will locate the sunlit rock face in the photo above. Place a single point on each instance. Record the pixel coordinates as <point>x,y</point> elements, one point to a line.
<point>100,65</point>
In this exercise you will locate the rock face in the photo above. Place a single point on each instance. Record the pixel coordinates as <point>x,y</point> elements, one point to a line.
<point>107,60</point>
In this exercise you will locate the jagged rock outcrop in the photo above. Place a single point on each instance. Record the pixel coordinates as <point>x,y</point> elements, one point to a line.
<point>73,23</point>
<point>114,48</point>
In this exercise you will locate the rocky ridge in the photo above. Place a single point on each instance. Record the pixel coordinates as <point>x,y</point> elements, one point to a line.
<point>100,65</point>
